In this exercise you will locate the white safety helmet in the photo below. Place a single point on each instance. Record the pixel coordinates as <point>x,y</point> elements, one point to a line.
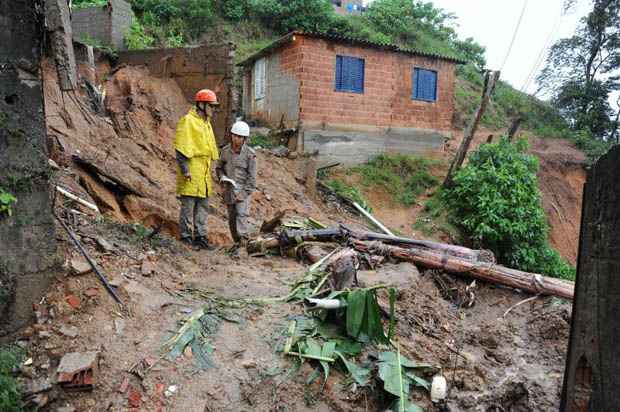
<point>240,129</point>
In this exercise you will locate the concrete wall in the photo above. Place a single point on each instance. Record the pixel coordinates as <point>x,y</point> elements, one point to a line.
<point>122,17</point>
<point>351,147</point>
<point>195,68</point>
<point>27,239</point>
<point>281,99</point>
<point>386,101</point>
<point>106,24</point>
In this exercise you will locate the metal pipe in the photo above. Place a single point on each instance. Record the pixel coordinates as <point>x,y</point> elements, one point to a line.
<point>92,264</point>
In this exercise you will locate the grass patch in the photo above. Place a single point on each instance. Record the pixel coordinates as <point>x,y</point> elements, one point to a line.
<point>405,177</point>
<point>259,140</point>
<point>506,104</point>
<point>435,220</point>
<point>348,192</point>
<point>10,397</point>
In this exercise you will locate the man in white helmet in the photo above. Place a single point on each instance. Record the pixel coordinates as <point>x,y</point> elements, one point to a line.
<point>236,170</point>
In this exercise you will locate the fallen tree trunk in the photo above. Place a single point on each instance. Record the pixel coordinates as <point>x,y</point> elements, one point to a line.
<point>492,273</point>
<point>339,234</point>
<point>466,253</point>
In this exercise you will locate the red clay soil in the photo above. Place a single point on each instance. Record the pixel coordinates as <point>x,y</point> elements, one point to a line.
<point>127,164</point>
<point>493,361</point>
<point>561,177</point>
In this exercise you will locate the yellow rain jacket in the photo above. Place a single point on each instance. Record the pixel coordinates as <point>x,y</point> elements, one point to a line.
<point>196,141</point>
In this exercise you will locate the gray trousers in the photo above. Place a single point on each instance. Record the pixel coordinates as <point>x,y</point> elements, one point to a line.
<point>238,220</point>
<point>193,217</point>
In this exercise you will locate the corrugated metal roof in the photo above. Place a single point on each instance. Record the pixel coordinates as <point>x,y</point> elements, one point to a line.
<point>349,40</point>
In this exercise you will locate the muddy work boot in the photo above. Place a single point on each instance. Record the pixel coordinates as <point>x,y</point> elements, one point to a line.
<point>202,243</point>
<point>239,250</point>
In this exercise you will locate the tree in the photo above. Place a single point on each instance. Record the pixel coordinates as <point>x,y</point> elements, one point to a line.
<point>422,26</point>
<point>580,70</point>
<point>284,16</point>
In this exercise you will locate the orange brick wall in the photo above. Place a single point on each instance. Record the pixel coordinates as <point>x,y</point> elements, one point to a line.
<point>386,100</point>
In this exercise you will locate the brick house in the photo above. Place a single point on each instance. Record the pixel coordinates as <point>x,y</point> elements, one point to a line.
<point>108,24</point>
<point>351,99</point>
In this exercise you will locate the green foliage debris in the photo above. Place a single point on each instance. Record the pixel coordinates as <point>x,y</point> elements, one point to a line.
<point>10,397</point>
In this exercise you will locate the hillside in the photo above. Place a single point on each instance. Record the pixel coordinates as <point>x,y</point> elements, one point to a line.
<point>488,362</point>
<point>202,331</point>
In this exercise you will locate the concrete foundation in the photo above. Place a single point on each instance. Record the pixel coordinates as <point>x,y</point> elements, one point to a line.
<point>27,240</point>
<point>351,147</point>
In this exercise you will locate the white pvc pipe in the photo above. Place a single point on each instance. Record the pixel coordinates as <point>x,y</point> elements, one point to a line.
<point>323,303</point>
<point>77,199</point>
<point>372,219</point>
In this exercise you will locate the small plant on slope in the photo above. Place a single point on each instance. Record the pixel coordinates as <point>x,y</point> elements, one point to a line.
<point>497,202</point>
<point>6,203</point>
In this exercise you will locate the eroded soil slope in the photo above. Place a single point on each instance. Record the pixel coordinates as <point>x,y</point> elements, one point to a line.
<point>493,360</point>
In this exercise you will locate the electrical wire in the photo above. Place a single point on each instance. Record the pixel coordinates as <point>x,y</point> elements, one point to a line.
<point>514,35</point>
<point>532,74</point>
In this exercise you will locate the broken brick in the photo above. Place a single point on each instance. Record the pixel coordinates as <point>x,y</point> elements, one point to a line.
<point>80,266</point>
<point>91,292</point>
<point>77,371</point>
<point>135,399</point>
<point>159,388</point>
<point>124,385</point>
<point>73,301</point>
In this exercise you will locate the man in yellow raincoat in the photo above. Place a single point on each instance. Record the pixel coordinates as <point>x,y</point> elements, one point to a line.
<point>196,149</point>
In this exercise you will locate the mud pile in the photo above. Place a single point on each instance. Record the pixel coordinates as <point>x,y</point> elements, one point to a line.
<point>124,160</point>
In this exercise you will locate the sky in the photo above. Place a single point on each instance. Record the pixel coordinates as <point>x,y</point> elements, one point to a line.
<point>492,24</point>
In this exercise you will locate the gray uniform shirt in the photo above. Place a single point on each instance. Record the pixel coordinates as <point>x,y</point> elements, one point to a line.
<point>239,167</point>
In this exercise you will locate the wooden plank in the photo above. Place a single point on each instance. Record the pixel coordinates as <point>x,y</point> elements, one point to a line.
<point>591,379</point>
<point>489,85</point>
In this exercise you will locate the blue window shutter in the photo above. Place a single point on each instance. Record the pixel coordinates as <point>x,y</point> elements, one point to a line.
<point>338,72</point>
<point>349,74</point>
<point>424,84</point>
<point>359,78</point>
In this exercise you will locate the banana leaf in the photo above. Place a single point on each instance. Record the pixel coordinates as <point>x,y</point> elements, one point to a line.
<point>363,317</point>
<point>360,375</point>
<point>395,372</point>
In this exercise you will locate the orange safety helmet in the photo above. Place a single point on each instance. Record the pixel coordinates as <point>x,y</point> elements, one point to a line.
<point>207,96</point>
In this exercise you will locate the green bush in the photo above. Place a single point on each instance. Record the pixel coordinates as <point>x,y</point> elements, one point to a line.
<point>82,4</point>
<point>7,200</point>
<point>592,147</point>
<point>137,39</point>
<point>10,398</point>
<point>405,177</point>
<point>496,200</point>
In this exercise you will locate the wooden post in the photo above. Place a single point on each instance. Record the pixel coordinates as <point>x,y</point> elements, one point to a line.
<point>592,376</point>
<point>514,128</point>
<point>489,85</point>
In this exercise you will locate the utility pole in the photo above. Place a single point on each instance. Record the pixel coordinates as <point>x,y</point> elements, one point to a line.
<point>490,79</point>
<point>592,376</point>
<point>514,128</point>
<point>28,254</point>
